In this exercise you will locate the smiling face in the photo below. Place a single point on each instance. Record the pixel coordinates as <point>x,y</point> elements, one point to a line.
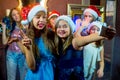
<point>94,29</point>
<point>15,15</point>
<point>63,29</point>
<point>40,20</point>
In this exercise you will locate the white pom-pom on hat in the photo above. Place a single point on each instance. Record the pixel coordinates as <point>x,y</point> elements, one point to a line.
<point>24,22</point>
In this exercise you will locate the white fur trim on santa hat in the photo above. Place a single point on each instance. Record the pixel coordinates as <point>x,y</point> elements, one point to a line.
<point>34,10</point>
<point>92,12</point>
<point>68,20</point>
<point>55,14</point>
<point>24,22</point>
<point>97,24</point>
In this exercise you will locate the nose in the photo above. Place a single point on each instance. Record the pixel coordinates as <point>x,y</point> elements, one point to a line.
<point>62,28</point>
<point>40,19</point>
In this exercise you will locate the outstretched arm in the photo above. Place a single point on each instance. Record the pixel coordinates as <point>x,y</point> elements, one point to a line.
<point>80,41</point>
<point>106,33</point>
<point>4,36</point>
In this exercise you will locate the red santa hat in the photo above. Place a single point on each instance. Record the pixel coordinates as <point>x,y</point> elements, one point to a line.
<point>30,11</point>
<point>94,11</point>
<point>53,13</point>
<point>24,14</point>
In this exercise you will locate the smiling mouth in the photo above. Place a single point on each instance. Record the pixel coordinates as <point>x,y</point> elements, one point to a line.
<point>40,25</point>
<point>62,32</point>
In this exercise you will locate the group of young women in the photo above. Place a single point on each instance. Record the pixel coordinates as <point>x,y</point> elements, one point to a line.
<point>49,55</point>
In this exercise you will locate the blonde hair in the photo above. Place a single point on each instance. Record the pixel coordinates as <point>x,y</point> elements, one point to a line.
<point>68,40</point>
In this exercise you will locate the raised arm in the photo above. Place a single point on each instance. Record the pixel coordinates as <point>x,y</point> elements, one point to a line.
<point>80,26</point>
<point>4,35</point>
<point>26,47</point>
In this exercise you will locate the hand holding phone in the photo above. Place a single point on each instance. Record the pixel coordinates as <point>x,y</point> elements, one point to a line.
<point>108,32</point>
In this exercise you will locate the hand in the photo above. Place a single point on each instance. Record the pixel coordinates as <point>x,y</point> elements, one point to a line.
<point>76,34</point>
<point>25,41</point>
<point>12,40</point>
<point>108,32</point>
<point>85,23</point>
<point>3,26</point>
<point>100,73</point>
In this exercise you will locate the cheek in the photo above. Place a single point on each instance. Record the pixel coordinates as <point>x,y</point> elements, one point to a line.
<point>89,19</point>
<point>68,30</point>
<point>91,32</point>
<point>51,21</point>
<point>13,17</point>
<point>57,31</point>
<point>34,22</point>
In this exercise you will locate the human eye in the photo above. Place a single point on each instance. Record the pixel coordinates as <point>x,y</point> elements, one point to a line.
<point>65,26</point>
<point>89,16</point>
<point>98,29</point>
<point>58,26</point>
<point>85,15</point>
<point>37,17</point>
<point>44,17</point>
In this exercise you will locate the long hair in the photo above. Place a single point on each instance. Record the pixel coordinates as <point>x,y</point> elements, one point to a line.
<point>48,38</point>
<point>99,43</point>
<point>13,22</point>
<point>68,41</point>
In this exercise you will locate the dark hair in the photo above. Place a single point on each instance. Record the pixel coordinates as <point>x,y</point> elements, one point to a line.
<point>99,43</point>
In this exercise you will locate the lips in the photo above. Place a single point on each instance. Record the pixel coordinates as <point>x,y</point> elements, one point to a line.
<point>62,32</point>
<point>40,25</point>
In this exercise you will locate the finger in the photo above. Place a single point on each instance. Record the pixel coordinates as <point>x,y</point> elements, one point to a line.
<point>22,34</point>
<point>26,42</point>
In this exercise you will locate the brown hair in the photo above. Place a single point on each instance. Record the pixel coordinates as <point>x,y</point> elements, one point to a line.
<point>12,20</point>
<point>48,37</point>
<point>99,43</point>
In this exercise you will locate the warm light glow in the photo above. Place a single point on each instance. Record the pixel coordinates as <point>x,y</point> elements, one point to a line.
<point>19,4</point>
<point>44,3</point>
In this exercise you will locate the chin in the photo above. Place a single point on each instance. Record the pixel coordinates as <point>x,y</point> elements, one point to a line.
<point>62,37</point>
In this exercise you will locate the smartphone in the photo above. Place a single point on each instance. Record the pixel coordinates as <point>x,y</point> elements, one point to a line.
<point>108,32</point>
